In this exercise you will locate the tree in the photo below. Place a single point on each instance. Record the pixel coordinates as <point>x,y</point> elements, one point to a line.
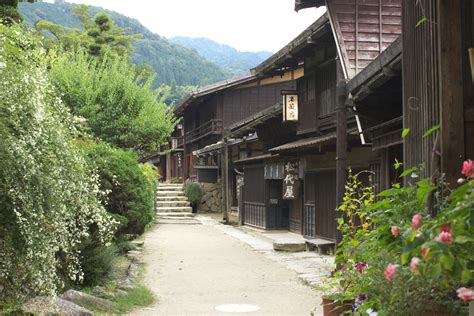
<point>9,13</point>
<point>120,107</point>
<point>49,198</point>
<point>99,36</point>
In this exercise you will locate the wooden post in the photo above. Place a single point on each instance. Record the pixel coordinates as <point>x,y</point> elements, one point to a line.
<point>451,88</point>
<point>341,147</point>
<point>241,206</point>
<point>168,166</point>
<point>226,182</point>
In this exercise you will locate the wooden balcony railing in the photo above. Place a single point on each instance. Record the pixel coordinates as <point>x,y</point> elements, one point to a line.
<point>212,127</point>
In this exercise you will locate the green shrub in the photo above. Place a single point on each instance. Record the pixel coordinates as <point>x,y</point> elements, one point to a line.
<point>194,193</point>
<point>130,196</point>
<point>151,175</point>
<point>96,261</point>
<point>49,199</point>
<point>119,106</point>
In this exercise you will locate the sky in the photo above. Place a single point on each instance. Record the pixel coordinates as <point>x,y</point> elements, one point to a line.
<point>247,25</point>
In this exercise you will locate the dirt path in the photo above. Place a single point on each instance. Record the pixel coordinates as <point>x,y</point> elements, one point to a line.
<point>192,269</point>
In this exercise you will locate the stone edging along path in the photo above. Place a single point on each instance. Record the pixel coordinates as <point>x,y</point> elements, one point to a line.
<point>73,302</point>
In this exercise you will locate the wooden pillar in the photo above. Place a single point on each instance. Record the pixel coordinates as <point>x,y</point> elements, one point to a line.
<point>341,147</point>
<point>226,204</point>
<point>451,88</point>
<point>184,159</point>
<point>168,166</point>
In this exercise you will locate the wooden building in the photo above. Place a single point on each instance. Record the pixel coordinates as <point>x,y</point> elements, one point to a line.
<point>207,115</point>
<point>420,82</point>
<point>359,84</point>
<point>437,84</point>
<point>328,136</point>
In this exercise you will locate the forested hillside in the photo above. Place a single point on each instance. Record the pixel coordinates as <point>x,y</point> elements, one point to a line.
<point>228,58</point>
<point>171,62</point>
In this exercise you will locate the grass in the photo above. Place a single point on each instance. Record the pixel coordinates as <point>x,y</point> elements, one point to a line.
<point>136,297</point>
<point>139,296</point>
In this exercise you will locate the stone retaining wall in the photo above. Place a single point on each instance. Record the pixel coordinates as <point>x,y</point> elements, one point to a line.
<point>212,197</point>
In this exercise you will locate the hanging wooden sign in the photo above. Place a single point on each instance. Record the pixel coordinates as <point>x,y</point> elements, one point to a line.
<point>290,105</point>
<point>290,181</point>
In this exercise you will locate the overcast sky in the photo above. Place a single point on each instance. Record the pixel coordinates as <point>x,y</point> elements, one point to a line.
<point>247,25</point>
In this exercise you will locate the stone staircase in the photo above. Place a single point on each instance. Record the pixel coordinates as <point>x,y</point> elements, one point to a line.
<point>172,206</point>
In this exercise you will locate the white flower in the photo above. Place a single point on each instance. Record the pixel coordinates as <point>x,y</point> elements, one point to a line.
<point>371,312</point>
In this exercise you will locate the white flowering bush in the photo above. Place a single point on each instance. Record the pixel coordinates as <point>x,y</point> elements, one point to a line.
<point>49,199</point>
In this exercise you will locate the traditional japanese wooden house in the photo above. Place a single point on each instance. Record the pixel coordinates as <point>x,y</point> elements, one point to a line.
<point>330,132</point>
<point>436,81</point>
<point>437,85</point>
<point>207,115</point>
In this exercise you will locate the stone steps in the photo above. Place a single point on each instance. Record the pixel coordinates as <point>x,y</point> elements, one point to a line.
<point>174,214</point>
<point>170,193</point>
<point>173,203</point>
<point>173,209</point>
<point>172,206</point>
<point>169,189</point>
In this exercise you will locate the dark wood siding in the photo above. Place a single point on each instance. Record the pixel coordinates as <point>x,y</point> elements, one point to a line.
<point>325,204</point>
<point>320,204</point>
<point>254,196</point>
<point>436,87</point>
<point>296,212</point>
<point>277,216</point>
<point>309,228</point>
<point>325,89</point>
<point>317,95</point>
<point>364,29</point>
<point>307,115</point>
<point>420,82</point>
<point>241,103</point>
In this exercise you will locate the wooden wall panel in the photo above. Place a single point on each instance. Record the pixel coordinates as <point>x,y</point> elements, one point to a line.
<point>241,103</point>
<point>420,82</point>
<point>254,196</point>
<point>364,28</point>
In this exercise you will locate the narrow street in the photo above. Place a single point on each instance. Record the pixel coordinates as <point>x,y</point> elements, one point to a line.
<point>192,269</point>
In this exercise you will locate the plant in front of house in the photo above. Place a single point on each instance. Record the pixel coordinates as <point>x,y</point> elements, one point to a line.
<point>413,263</point>
<point>193,192</point>
<point>339,291</point>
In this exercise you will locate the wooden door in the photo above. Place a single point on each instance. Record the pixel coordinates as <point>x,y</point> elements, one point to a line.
<point>277,208</point>
<point>325,204</point>
<point>309,224</point>
<point>254,196</point>
<point>296,212</point>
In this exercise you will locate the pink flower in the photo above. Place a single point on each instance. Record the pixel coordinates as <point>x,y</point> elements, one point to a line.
<point>468,168</point>
<point>424,251</point>
<point>413,263</point>
<point>445,237</point>
<point>390,271</point>
<point>416,221</point>
<point>445,228</point>
<point>395,231</point>
<point>465,294</point>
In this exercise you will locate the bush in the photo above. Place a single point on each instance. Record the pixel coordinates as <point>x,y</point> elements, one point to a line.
<point>402,260</point>
<point>120,108</point>
<point>49,199</point>
<point>96,260</point>
<point>130,193</point>
<point>194,193</point>
<point>151,175</point>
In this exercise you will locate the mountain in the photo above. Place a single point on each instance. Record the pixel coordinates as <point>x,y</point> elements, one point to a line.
<point>228,58</point>
<point>171,62</point>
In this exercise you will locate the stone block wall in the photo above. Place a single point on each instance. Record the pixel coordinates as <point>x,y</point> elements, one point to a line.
<point>212,197</point>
